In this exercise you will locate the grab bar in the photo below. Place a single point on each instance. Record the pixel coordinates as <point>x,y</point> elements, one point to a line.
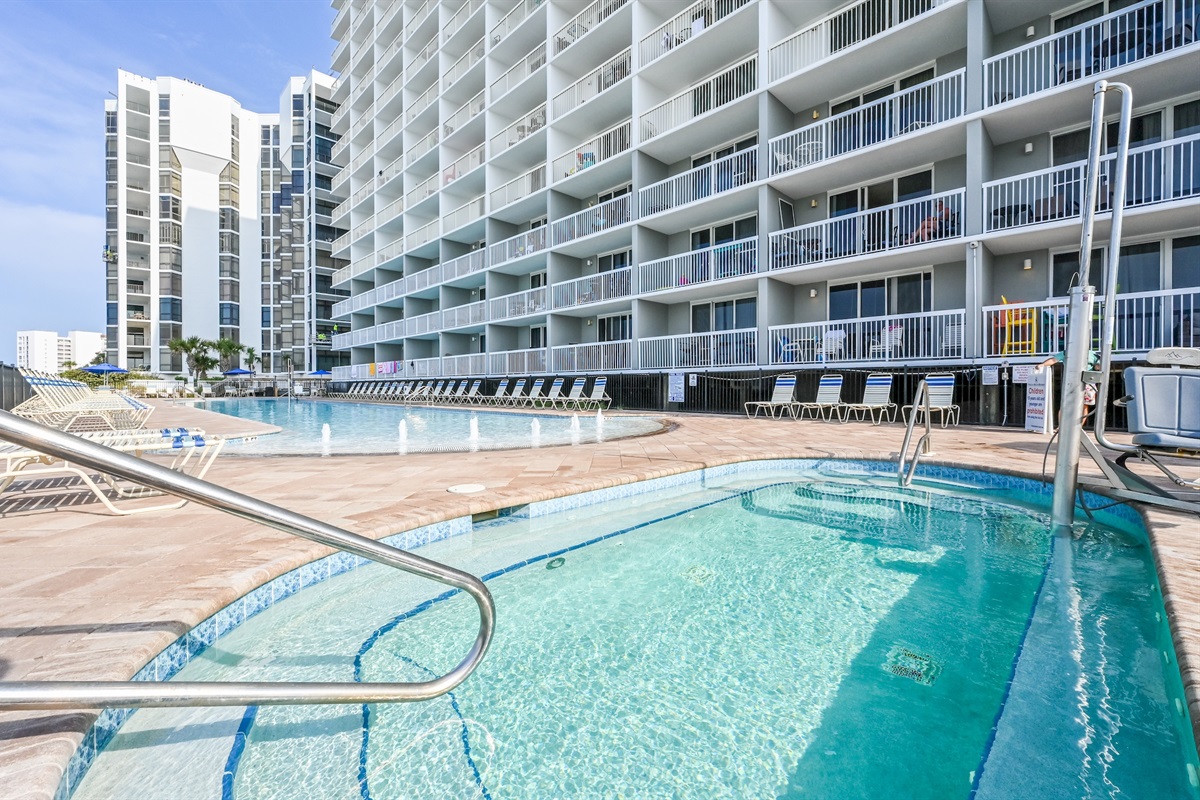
<point>55,695</point>
<point>924,445</point>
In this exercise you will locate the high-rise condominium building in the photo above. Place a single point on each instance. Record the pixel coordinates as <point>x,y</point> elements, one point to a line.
<point>195,222</point>
<point>46,351</point>
<point>644,186</point>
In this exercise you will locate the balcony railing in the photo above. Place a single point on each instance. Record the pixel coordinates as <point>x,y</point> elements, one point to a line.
<point>601,79</point>
<point>715,263</point>
<point>424,368</point>
<point>469,314</point>
<point>424,323</point>
<point>423,279</point>
<point>468,212</point>
<point>512,19</point>
<point>460,18</point>
<point>464,114</point>
<point>422,190</point>
<point>737,81</point>
<point>464,64</point>
<point>426,233</point>
<point>608,214</point>
<point>343,373</point>
<point>413,21</point>
<point>715,177</point>
<point>522,186</point>
<point>388,252</point>
<point>390,211</point>
<point>928,104</point>
<point>520,304</point>
<point>725,349</point>
<point>611,285</point>
<point>463,165</point>
<point>517,362</point>
<point>341,241</point>
<point>895,337</point>
<point>462,366</point>
<point>1123,37</point>
<point>518,72</point>
<point>585,21</point>
<point>422,147</point>
<point>363,228</point>
<point>390,171</point>
<point>422,102</point>
<point>526,126</point>
<point>422,58</point>
<point>612,142</point>
<point>598,357</point>
<point>471,263</point>
<point>912,222</point>
<point>1156,173</point>
<point>681,29</point>
<point>842,29</point>
<point>522,244</point>
<point>1144,321</point>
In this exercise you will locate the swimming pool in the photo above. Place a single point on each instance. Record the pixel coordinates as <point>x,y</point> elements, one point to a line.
<point>321,427</point>
<point>783,629</point>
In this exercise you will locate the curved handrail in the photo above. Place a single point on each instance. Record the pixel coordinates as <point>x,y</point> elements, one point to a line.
<point>924,444</point>
<point>53,695</point>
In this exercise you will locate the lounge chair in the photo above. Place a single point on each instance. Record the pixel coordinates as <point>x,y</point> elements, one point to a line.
<point>575,395</point>
<point>1164,410</point>
<point>73,406</point>
<point>554,393</point>
<point>828,402</point>
<point>889,343</point>
<point>877,400</point>
<point>516,398</point>
<point>941,399</point>
<point>501,395</point>
<point>535,392</point>
<point>781,399</point>
<point>598,398</point>
<point>472,394</point>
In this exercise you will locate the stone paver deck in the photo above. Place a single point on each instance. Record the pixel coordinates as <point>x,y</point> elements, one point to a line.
<point>86,595</point>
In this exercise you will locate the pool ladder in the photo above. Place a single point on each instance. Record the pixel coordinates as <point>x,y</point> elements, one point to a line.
<point>56,695</point>
<point>924,445</point>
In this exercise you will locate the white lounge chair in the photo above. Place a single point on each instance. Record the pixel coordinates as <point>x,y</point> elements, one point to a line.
<point>941,399</point>
<point>828,402</point>
<point>500,397</point>
<point>575,395</point>
<point>516,398</point>
<point>535,393</point>
<point>554,393</point>
<point>472,394</point>
<point>877,400</point>
<point>781,399</point>
<point>598,398</point>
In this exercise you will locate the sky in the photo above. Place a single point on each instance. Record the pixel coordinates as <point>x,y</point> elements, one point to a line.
<point>58,61</point>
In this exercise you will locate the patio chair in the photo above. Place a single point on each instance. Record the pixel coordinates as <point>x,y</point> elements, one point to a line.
<point>575,396</point>
<point>876,401</point>
<point>828,402</point>
<point>535,392</point>
<point>458,393</point>
<point>516,397</point>
<point>73,406</point>
<point>500,397</point>
<point>598,398</point>
<point>833,345</point>
<point>554,393</point>
<point>472,394</point>
<point>889,342</point>
<point>941,399</point>
<point>781,399</point>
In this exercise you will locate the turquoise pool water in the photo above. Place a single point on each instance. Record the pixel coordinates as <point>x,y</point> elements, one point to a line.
<point>818,634</point>
<point>361,428</point>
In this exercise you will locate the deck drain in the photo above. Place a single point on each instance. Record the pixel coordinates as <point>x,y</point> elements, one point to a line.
<point>699,574</point>
<point>555,563</point>
<point>467,488</point>
<point>906,663</point>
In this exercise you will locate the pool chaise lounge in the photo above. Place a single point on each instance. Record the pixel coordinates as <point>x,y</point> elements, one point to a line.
<point>940,386</point>
<point>876,400</point>
<point>828,402</point>
<point>781,399</point>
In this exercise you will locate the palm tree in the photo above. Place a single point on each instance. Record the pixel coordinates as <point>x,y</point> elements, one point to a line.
<point>252,358</point>
<point>192,348</point>
<point>228,352</point>
<point>203,363</point>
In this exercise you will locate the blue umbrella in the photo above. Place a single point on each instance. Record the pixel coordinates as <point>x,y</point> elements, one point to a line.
<point>105,369</point>
<point>237,371</point>
<point>321,372</point>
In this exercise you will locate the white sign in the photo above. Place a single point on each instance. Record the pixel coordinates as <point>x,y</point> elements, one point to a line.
<point>991,376</point>
<point>1021,372</point>
<point>1038,401</point>
<point>675,388</point>
<point>692,379</point>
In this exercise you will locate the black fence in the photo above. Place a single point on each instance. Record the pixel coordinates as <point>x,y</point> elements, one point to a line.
<point>13,388</point>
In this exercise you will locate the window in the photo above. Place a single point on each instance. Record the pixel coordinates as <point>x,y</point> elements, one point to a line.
<point>170,283</point>
<point>611,261</point>
<point>725,315</point>
<point>229,314</point>
<point>615,329</point>
<point>604,197</point>
<point>1064,272</point>
<point>537,336</point>
<point>1068,148</point>
<point>170,309</point>
<point>725,232</point>
<point>168,207</point>
<point>724,150</point>
<point>112,313</point>
<point>537,279</point>
<point>1138,268</point>
<point>1185,262</point>
<point>229,291</point>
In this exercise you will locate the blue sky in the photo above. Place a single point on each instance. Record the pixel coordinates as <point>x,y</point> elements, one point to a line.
<point>58,61</point>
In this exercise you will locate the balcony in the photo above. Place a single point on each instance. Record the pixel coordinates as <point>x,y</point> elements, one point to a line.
<point>902,338</point>
<point>907,112</point>
<point>608,214</point>
<point>135,288</point>
<point>345,373</point>
<point>715,177</point>
<point>514,133</point>
<point>424,323</point>
<point>522,186</point>
<point>1124,37</point>
<point>464,114</point>
<point>599,357</point>
<point>465,164</point>
<point>469,264</point>
<point>513,19</point>
<point>612,142</point>
<point>390,212</point>
<point>422,235</point>
<point>464,315</point>
<point>737,81</point>
<point>423,102</point>
<point>423,279</point>
<point>424,368</point>
<point>535,60</point>
<point>519,304</point>
<point>842,29</point>
<point>910,223</point>
<point>465,214</point>
<point>383,255</point>
<point>731,260</point>
<point>518,246</point>
<point>1156,173</point>
<point>681,29</point>
<point>599,80</point>
<point>517,362</point>
<point>584,21</point>
<point>611,285</point>
<point>1144,321</point>
<point>425,188</point>
<point>422,147</point>
<point>422,58</point>
<point>725,349</point>
<point>463,65</point>
<point>464,366</point>
<point>137,315</point>
<point>460,18</point>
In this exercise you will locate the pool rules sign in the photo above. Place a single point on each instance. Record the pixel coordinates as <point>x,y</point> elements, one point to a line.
<point>1038,401</point>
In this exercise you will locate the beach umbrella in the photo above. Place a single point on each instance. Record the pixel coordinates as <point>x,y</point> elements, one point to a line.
<point>321,373</point>
<point>105,369</point>
<point>237,371</point>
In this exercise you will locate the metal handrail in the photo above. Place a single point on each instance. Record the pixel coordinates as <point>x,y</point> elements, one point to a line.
<point>55,695</point>
<point>924,445</point>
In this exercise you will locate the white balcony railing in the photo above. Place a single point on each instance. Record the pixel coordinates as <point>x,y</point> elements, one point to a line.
<point>522,244</point>
<point>422,190</point>
<point>431,276</point>
<point>422,147</point>
<point>424,368</point>
<point>844,28</point>
<point>585,21</point>
<point>423,102</point>
<point>704,181</point>
<point>512,19</point>
<point>363,228</point>
<point>471,263</point>
<point>598,357</point>
<point>466,163</point>
<point>519,304</point>
<point>423,234</point>
<point>682,28</point>
<point>468,212</point>
<point>611,285</point>
<point>1144,321</point>
<point>464,114</point>
<point>1122,37</point>
<point>416,18</point>
<point>460,18</point>
<point>912,222</point>
<point>528,125</point>
<point>895,337</point>
<point>737,348</point>
<point>390,171</point>
<point>612,142</point>
<point>601,79</point>
<point>608,214</point>
<point>390,211</point>
<point>517,362</point>
<point>465,365</point>
<point>714,263</point>
<point>424,323</point>
<point>464,64</point>
<point>531,63</point>
<point>389,251</point>
<point>422,58</point>
<point>522,186</point>
<point>737,81</point>
<point>1156,173</point>
<point>919,107</point>
<point>343,373</point>
<point>469,314</point>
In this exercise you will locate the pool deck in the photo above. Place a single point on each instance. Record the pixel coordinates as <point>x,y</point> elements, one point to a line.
<point>87,595</point>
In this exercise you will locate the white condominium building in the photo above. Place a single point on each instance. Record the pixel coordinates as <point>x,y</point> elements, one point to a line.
<point>46,351</point>
<point>641,186</point>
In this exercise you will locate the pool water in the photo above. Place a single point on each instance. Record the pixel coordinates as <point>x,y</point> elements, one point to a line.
<point>362,428</point>
<point>782,635</point>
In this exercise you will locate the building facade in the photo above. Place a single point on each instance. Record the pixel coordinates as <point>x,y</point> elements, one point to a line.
<point>644,186</point>
<point>46,351</point>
